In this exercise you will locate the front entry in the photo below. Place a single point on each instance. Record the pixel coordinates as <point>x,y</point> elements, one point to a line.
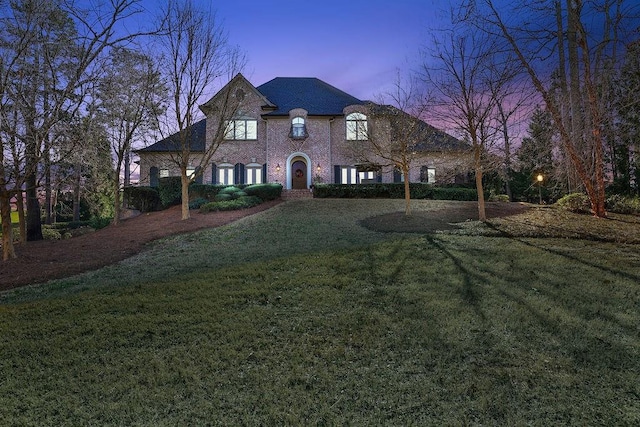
<point>299,175</point>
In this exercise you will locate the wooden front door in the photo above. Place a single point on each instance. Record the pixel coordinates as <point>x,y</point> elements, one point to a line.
<point>299,175</point>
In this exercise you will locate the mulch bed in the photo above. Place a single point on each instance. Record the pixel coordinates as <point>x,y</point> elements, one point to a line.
<point>442,219</point>
<point>45,260</point>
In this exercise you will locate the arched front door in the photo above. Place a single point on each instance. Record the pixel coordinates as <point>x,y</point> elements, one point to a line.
<point>299,175</point>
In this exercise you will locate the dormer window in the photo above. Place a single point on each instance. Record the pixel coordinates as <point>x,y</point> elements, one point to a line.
<point>357,129</point>
<point>298,128</point>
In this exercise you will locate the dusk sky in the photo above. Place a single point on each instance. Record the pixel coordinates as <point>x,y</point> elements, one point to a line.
<point>355,45</point>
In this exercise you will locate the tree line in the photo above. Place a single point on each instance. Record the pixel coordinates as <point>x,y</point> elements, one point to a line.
<point>80,83</point>
<point>569,69</point>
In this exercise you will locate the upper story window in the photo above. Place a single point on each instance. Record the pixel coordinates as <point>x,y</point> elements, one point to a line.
<point>357,129</point>
<point>241,129</point>
<point>298,128</point>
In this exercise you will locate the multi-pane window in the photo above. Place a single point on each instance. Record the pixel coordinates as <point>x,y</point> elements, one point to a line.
<point>428,174</point>
<point>191,171</point>
<point>225,175</point>
<point>253,174</point>
<point>164,173</point>
<point>298,129</point>
<point>241,129</point>
<point>348,175</point>
<point>357,129</point>
<point>366,177</point>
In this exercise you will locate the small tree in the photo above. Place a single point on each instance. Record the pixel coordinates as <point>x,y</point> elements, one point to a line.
<point>129,103</point>
<point>460,78</point>
<point>197,58</point>
<point>396,137</point>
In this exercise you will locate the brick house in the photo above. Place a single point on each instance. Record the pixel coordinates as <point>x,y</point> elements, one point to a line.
<point>295,131</point>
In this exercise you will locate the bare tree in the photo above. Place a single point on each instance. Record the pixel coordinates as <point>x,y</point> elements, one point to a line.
<point>460,77</point>
<point>580,113</point>
<point>129,103</point>
<point>198,57</point>
<point>396,137</point>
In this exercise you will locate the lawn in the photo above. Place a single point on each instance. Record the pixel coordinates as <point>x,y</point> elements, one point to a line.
<point>299,315</point>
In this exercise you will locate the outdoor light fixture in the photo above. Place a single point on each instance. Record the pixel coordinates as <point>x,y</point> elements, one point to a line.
<point>278,167</point>
<point>540,178</point>
<point>318,168</point>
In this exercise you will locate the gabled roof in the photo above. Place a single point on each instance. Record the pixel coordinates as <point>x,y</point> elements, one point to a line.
<point>172,142</point>
<point>434,138</point>
<point>312,94</point>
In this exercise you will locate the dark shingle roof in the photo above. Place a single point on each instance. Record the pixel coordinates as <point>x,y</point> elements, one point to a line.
<point>312,94</point>
<point>432,138</point>
<point>172,142</point>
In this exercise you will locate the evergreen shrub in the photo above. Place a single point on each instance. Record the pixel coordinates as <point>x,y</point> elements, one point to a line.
<point>144,199</point>
<point>574,202</point>
<point>266,192</point>
<point>230,205</point>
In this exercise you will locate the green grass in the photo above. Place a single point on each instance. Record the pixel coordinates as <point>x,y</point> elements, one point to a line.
<point>299,316</point>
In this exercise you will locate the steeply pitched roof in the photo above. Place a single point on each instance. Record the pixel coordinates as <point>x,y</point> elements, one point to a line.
<point>312,94</point>
<point>425,136</point>
<point>172,142</point>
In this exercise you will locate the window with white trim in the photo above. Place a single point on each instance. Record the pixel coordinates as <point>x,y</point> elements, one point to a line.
<point>241,129</point>
<point>164,173</point>
<point>428,174</point>
<point>191,171</point>
<point>367,176</point>
<point>348,175</point>
<point>253,174</point>
<point>225,174</point>
<point>357,128</point>
<point>298,128</point>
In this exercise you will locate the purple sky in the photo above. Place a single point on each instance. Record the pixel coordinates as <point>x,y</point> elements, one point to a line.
<point>355,45</point>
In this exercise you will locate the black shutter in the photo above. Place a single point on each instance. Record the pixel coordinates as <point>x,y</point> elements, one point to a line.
<point>198,179</point>
<point>397,175</point>
<point>238,173</point>
<point>214,174</point>
<point>378,175</point>
<point>336,174</point>
<point>153,176</point>
<point>264,173</point>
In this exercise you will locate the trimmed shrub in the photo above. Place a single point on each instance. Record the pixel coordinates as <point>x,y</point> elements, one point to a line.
<point>499,198</point>
<point>204,191</point>
<point>195,204</point>
<point>229,190</point>
<point>231,205</point>
<point>170,190</point>
<point>394,191</point>
<point>99,222</point>
<point>50,234</point>
<point>455,193</point>
<point>223,197</point>
<point>575,202</point>
<point>265,192</point>
<point>623,204</point>
<point>144,199</point>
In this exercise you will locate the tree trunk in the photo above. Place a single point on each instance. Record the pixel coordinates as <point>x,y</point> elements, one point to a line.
<point>34,224</point>
<point>76,193</point>
<point>22,220</point>
<point>47,187</point>
<point>477,159</point>
<point>185,181</point>
<point>8,250</point>
<point>407,190</point>
<point>116,196</point>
